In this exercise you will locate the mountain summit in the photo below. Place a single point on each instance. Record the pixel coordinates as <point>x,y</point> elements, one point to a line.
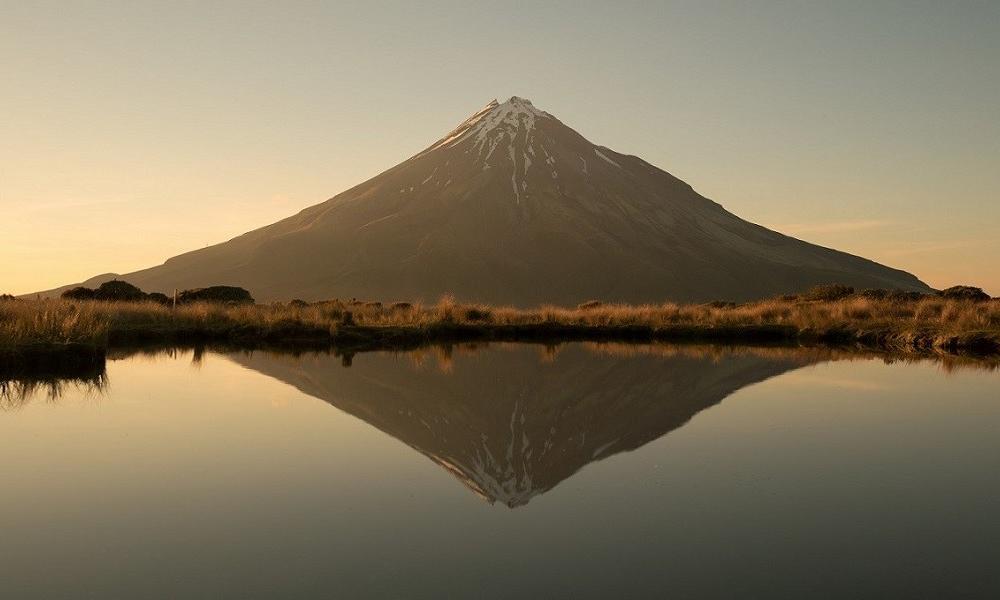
<point>513,206</point>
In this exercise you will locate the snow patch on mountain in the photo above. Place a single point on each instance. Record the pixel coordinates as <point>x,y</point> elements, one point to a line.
<point>429,177</point>
<point>492,123</point>
<point>602,155</point>
<point>463,128</point>
<point>513,173</point>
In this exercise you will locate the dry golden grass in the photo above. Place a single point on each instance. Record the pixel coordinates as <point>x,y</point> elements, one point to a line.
<point>50,322</point>
<point>930,314</point>
<point>62,321</point>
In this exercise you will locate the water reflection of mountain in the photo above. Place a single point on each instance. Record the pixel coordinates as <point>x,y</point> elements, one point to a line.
<point>513,422</point>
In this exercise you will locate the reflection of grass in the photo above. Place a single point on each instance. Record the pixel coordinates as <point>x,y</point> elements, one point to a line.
<point>18,393</point>
<point>925,323</point>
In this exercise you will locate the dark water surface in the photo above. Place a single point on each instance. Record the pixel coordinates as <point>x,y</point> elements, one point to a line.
<point>506,471</point>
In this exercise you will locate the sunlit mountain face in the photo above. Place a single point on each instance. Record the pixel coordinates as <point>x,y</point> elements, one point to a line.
<point>515,207</point>
<point>512,422</point>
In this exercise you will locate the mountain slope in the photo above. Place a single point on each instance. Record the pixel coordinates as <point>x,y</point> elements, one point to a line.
<point>515,207</point>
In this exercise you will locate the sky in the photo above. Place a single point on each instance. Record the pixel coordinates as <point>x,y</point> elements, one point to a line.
<point>131,131</point>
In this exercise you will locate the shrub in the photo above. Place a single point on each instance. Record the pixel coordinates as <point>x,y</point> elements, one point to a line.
<point>296,303</point>
<point>964,292</point>
<point>7,298</point>
<point>829,292</point>
<point>903,296</point>
<point>401,306</point>
<point>333,304</point>
<point>159,298</point>
<point>117,290</point>
<point>477,314</point>
<point>874,294</point>
<point>892,295</point>
<point>216,293</point>
<point>78,293</point>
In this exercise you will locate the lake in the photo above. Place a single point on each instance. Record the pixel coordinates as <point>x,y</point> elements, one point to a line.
<point>504,471</point>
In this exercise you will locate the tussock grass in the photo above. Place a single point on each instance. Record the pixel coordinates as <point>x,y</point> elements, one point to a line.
<point>926,322</point>
<point>51,323</point>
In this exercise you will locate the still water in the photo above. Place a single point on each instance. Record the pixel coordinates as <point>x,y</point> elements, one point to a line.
<point>504,471</point>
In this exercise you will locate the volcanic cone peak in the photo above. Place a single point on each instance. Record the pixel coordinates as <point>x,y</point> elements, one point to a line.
<point>515,207</point>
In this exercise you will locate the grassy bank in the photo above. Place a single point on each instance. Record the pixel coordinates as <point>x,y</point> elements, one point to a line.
<point>41,337</point>
<point>928,324</point>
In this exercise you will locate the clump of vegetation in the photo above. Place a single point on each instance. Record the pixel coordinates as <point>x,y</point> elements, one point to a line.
<point>829,292</point>
<point>721,304</point>
<point>117,290</point>
<point>216,293</point>
<point>50,323</point>
<point>159,298</point>
<point>965,292</point>
<point>79,293</point>
<point>446,309</point>
<point>894,295</point>
<point>475,314</point>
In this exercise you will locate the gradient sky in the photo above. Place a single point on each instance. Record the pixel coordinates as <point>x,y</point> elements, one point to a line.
<point>131,132</point>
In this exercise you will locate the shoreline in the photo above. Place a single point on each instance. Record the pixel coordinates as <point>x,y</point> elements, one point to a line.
<point>77,335</point>
<point>86,358</point>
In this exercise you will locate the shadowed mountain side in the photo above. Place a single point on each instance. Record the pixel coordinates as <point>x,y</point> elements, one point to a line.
<point>514,207</point>
<point>511,422</point>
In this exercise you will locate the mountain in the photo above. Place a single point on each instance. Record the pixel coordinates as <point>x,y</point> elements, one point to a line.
<point>515,207</point>
<point>510,422</point>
